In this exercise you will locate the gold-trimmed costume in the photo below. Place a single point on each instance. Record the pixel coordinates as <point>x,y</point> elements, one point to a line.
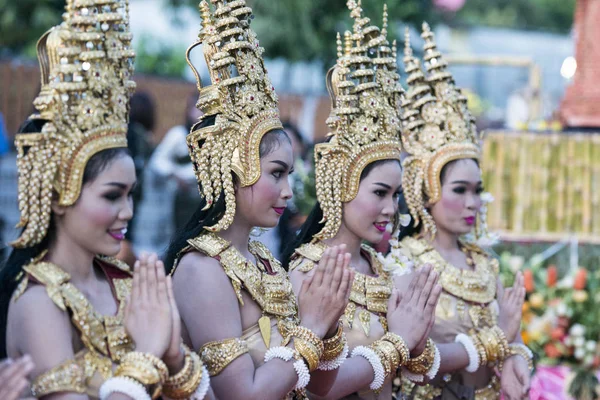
<point>86,64</point>
<point>104,337</point>
<point>438,128</point>
<point>365,316</point>
<point>242,98</point>
<point>365,127</point>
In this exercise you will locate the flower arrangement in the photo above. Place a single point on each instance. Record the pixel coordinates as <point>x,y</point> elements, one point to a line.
<point>561,323</point>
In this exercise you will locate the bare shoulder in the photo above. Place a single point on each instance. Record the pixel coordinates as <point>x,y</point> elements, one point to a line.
<point>34,320</point>
<point>196,268</point>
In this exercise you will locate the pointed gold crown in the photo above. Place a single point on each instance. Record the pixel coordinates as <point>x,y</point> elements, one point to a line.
<point>242,98</point>
<point>365,123</point>
<point>437,128</point>
<point>86,64</point>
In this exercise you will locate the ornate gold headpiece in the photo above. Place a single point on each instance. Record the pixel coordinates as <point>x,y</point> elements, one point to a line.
<point>241,96</point>
<point>365,123</point>
<point>85,66</point>
<point>437,128</point>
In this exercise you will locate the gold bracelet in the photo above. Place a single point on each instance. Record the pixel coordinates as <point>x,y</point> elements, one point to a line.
<point>334,346</point>
<point>492,346</point>
<point>501,337</point>
<point>391,353</point>
<point>385,358</point>
<point>519,350</point>
<point>400,346</point>
<point>422,364</point>
<point>185,382</point>
<point>309,336</point>
<point>145,368</point>
<point>479,346</point>
<point>308,351</point>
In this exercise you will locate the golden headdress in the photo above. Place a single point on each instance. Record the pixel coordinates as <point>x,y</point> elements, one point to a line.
<point>242,98</point>
<point>365,122</point>
<point>86,64</point>
<point>437,128</point>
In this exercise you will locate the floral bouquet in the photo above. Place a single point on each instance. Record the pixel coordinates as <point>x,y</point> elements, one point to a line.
<point>561,325</point>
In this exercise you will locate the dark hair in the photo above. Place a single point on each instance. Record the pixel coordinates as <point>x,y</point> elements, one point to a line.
<point>293,129</point>
<point>141,110</point>
<point>411,230</point>
<point>203,218</point>
<point>18,258</point>
<point>313,224</point>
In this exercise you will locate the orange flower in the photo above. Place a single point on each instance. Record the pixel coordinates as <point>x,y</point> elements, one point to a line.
<point>557,333</point>
<point>580,279</point>
<point>551,275</point>
<point>529,283</point>
<point>552,351</point>
<point>525,337</point>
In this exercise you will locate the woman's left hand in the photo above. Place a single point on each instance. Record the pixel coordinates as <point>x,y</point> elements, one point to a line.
<point>515,378</point>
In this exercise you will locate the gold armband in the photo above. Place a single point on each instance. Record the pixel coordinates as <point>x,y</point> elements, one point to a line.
<point>66,377</point>
<point>219,354</point>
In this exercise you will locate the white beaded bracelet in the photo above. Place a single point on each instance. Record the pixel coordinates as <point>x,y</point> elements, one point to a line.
<point>124,385</point>
<point>375,361</point>
<point>281,352</point>
<point>416,378</point>
<point>334,364</point>
<point>435,368</point>
<point>469,346</point>
<point>286,354</point>
<point>203,387</point>
<point>303,374</point>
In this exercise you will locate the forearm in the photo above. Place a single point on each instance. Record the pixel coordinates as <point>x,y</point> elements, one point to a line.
<point>453,356</point>
<point>272,380</point>
<point>354,375</point>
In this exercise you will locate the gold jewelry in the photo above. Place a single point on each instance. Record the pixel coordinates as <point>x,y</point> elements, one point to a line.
<point>219,354</point>
<point>86,65</point>
<point>365,124</point>
<point>369,294</point>
<point>383,354</point>
<point>66,377</point>
<point>504,349</point>
<point>185,382</point>
<point>145,368</point>
<point>422,364</point>
<point>483,360</point>
<point>241,96</point>
<point>309,353</point>
<point>391,354</point>
<point>521,350</point>
<point>400,346</point>
<point>306,334</point>
<point>334,346</point>
<point>437,128</point>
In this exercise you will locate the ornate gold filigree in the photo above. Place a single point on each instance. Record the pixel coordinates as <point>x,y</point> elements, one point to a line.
<point>241,96</point>
<point>364,121</point>
<point>437,128</point>
<point>86,65</point>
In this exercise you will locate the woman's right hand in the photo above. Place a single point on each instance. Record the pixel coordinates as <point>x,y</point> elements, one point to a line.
<point>324,295</point>
<point>13,377</point>
<point>148,318</point>
<point>411,314</point>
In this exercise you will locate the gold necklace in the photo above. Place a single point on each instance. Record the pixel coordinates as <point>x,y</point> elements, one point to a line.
<point>271,289</point>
